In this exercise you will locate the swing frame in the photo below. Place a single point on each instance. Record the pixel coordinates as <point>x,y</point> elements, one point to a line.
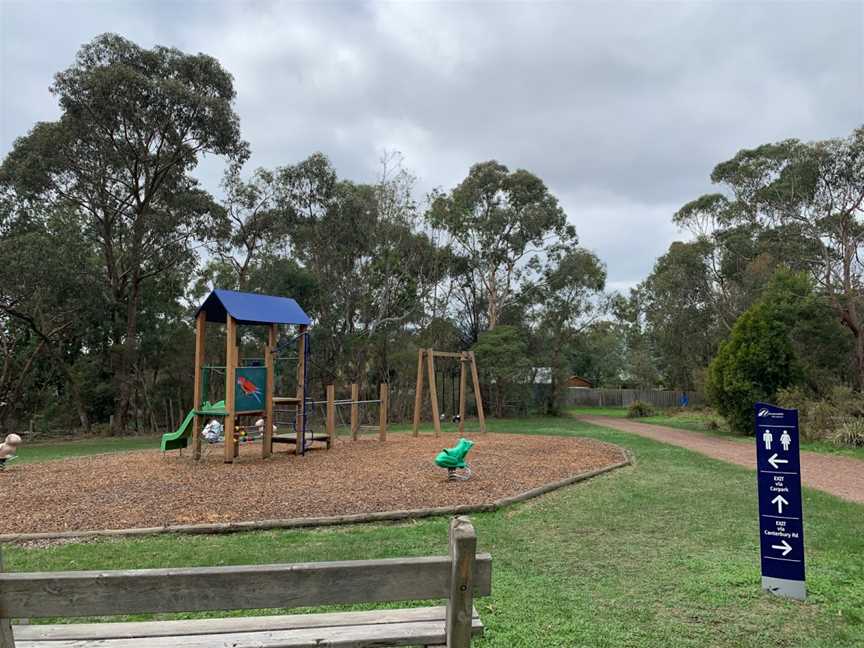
<point>466,359</point>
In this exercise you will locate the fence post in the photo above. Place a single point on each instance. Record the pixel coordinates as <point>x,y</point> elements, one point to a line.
<point>418,394</point>
<point>382,411</point>
<point>6,638</point>
<point>355,411</point>
<point>460,604</point>
<point>331,414</point>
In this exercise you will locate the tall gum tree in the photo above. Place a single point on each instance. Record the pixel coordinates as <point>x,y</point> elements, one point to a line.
<point>134,124</point>
<point>566,302</point>
<point>812,192</point>
<point>505,225</point>
<point>362,246</point>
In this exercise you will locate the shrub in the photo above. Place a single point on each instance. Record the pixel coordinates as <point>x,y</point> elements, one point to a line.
<point>850,434</point>
<point>772,346</point>
<point>823,418</point>
<point>751,366</point>
<point>712,425</point>
<point>639,409</point>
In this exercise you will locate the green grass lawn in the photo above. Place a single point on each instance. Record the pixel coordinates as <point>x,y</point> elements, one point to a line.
<point>700,421</point>
<point>49,450</point>
<point>663,553</point>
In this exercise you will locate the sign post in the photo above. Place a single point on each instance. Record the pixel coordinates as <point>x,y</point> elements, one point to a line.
<point>781,523</point>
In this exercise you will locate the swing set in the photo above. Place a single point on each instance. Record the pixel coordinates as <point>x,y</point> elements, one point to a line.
<point>467,362</point>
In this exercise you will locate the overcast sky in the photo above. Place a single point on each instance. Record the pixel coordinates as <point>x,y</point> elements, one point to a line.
<point>622,108</point>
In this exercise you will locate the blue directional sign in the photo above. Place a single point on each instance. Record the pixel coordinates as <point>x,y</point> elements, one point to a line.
<point>781,523</point>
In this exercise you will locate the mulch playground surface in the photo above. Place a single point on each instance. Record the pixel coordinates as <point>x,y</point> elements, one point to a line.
<point>146,489</point>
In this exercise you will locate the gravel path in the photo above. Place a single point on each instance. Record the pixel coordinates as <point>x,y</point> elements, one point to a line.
<point>145,489</point>
<point>835,474</point>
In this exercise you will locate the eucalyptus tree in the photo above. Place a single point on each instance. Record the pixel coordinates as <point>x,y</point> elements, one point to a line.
<point>134,123</point>
<point>811,195</point>
<point>506,226</point>
<point>565,302</point>
<point>47,306</point>
<point>251,230</point>
<point>678,302</point>
<point>362,246</point>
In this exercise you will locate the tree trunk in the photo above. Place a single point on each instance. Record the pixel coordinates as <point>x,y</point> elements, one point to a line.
<point>80,408</point>
<point>493,307</point>
<point>124,377</point>
<point>859,359</point>
<point>849,318</point>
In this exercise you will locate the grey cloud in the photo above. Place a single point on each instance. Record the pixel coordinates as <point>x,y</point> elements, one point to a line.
<point>622,108</point>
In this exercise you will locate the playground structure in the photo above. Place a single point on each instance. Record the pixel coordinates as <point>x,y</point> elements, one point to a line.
<point>466,360</point>
<point>248,389</point>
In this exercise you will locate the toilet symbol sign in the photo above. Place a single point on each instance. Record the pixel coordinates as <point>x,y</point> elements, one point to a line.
<point>781,523</point>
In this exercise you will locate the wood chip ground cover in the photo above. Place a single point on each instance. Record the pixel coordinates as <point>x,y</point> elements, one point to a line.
<point>146,489</point>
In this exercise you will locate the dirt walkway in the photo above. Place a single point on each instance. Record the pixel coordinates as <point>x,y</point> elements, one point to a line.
<point>835,474</point>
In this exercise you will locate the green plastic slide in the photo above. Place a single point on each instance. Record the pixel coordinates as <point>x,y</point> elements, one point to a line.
<point>180,438</point>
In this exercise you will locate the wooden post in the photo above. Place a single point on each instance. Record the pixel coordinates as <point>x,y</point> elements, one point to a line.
<point>355,411</point>
<point>331,415</point>
<point>236,364</point>
<point>200,329</point>
<point>478,397</point>
<point>230,379</point>
<point>383,406</point>
<point>267,440</point>
<point>433,391</point>
<point>7,640</point>
<point>460,604</point>
<point>301,389</point>
<point>463,375</point>
<point>418,393</point>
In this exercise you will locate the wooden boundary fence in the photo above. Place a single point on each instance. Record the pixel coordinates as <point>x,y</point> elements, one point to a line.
<point>577,396</point>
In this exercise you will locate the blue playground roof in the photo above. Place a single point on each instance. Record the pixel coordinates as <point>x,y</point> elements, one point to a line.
<point>251,308</point>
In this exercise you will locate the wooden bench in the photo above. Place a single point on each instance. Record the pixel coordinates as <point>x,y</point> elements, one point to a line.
<point>457,578</point>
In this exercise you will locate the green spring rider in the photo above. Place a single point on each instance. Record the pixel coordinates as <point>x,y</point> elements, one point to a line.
<point>453,459</point>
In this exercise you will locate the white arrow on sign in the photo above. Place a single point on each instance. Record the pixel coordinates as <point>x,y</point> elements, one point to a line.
<point>774,461</point>
<point>780,501</point>
<point>785,547</point>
